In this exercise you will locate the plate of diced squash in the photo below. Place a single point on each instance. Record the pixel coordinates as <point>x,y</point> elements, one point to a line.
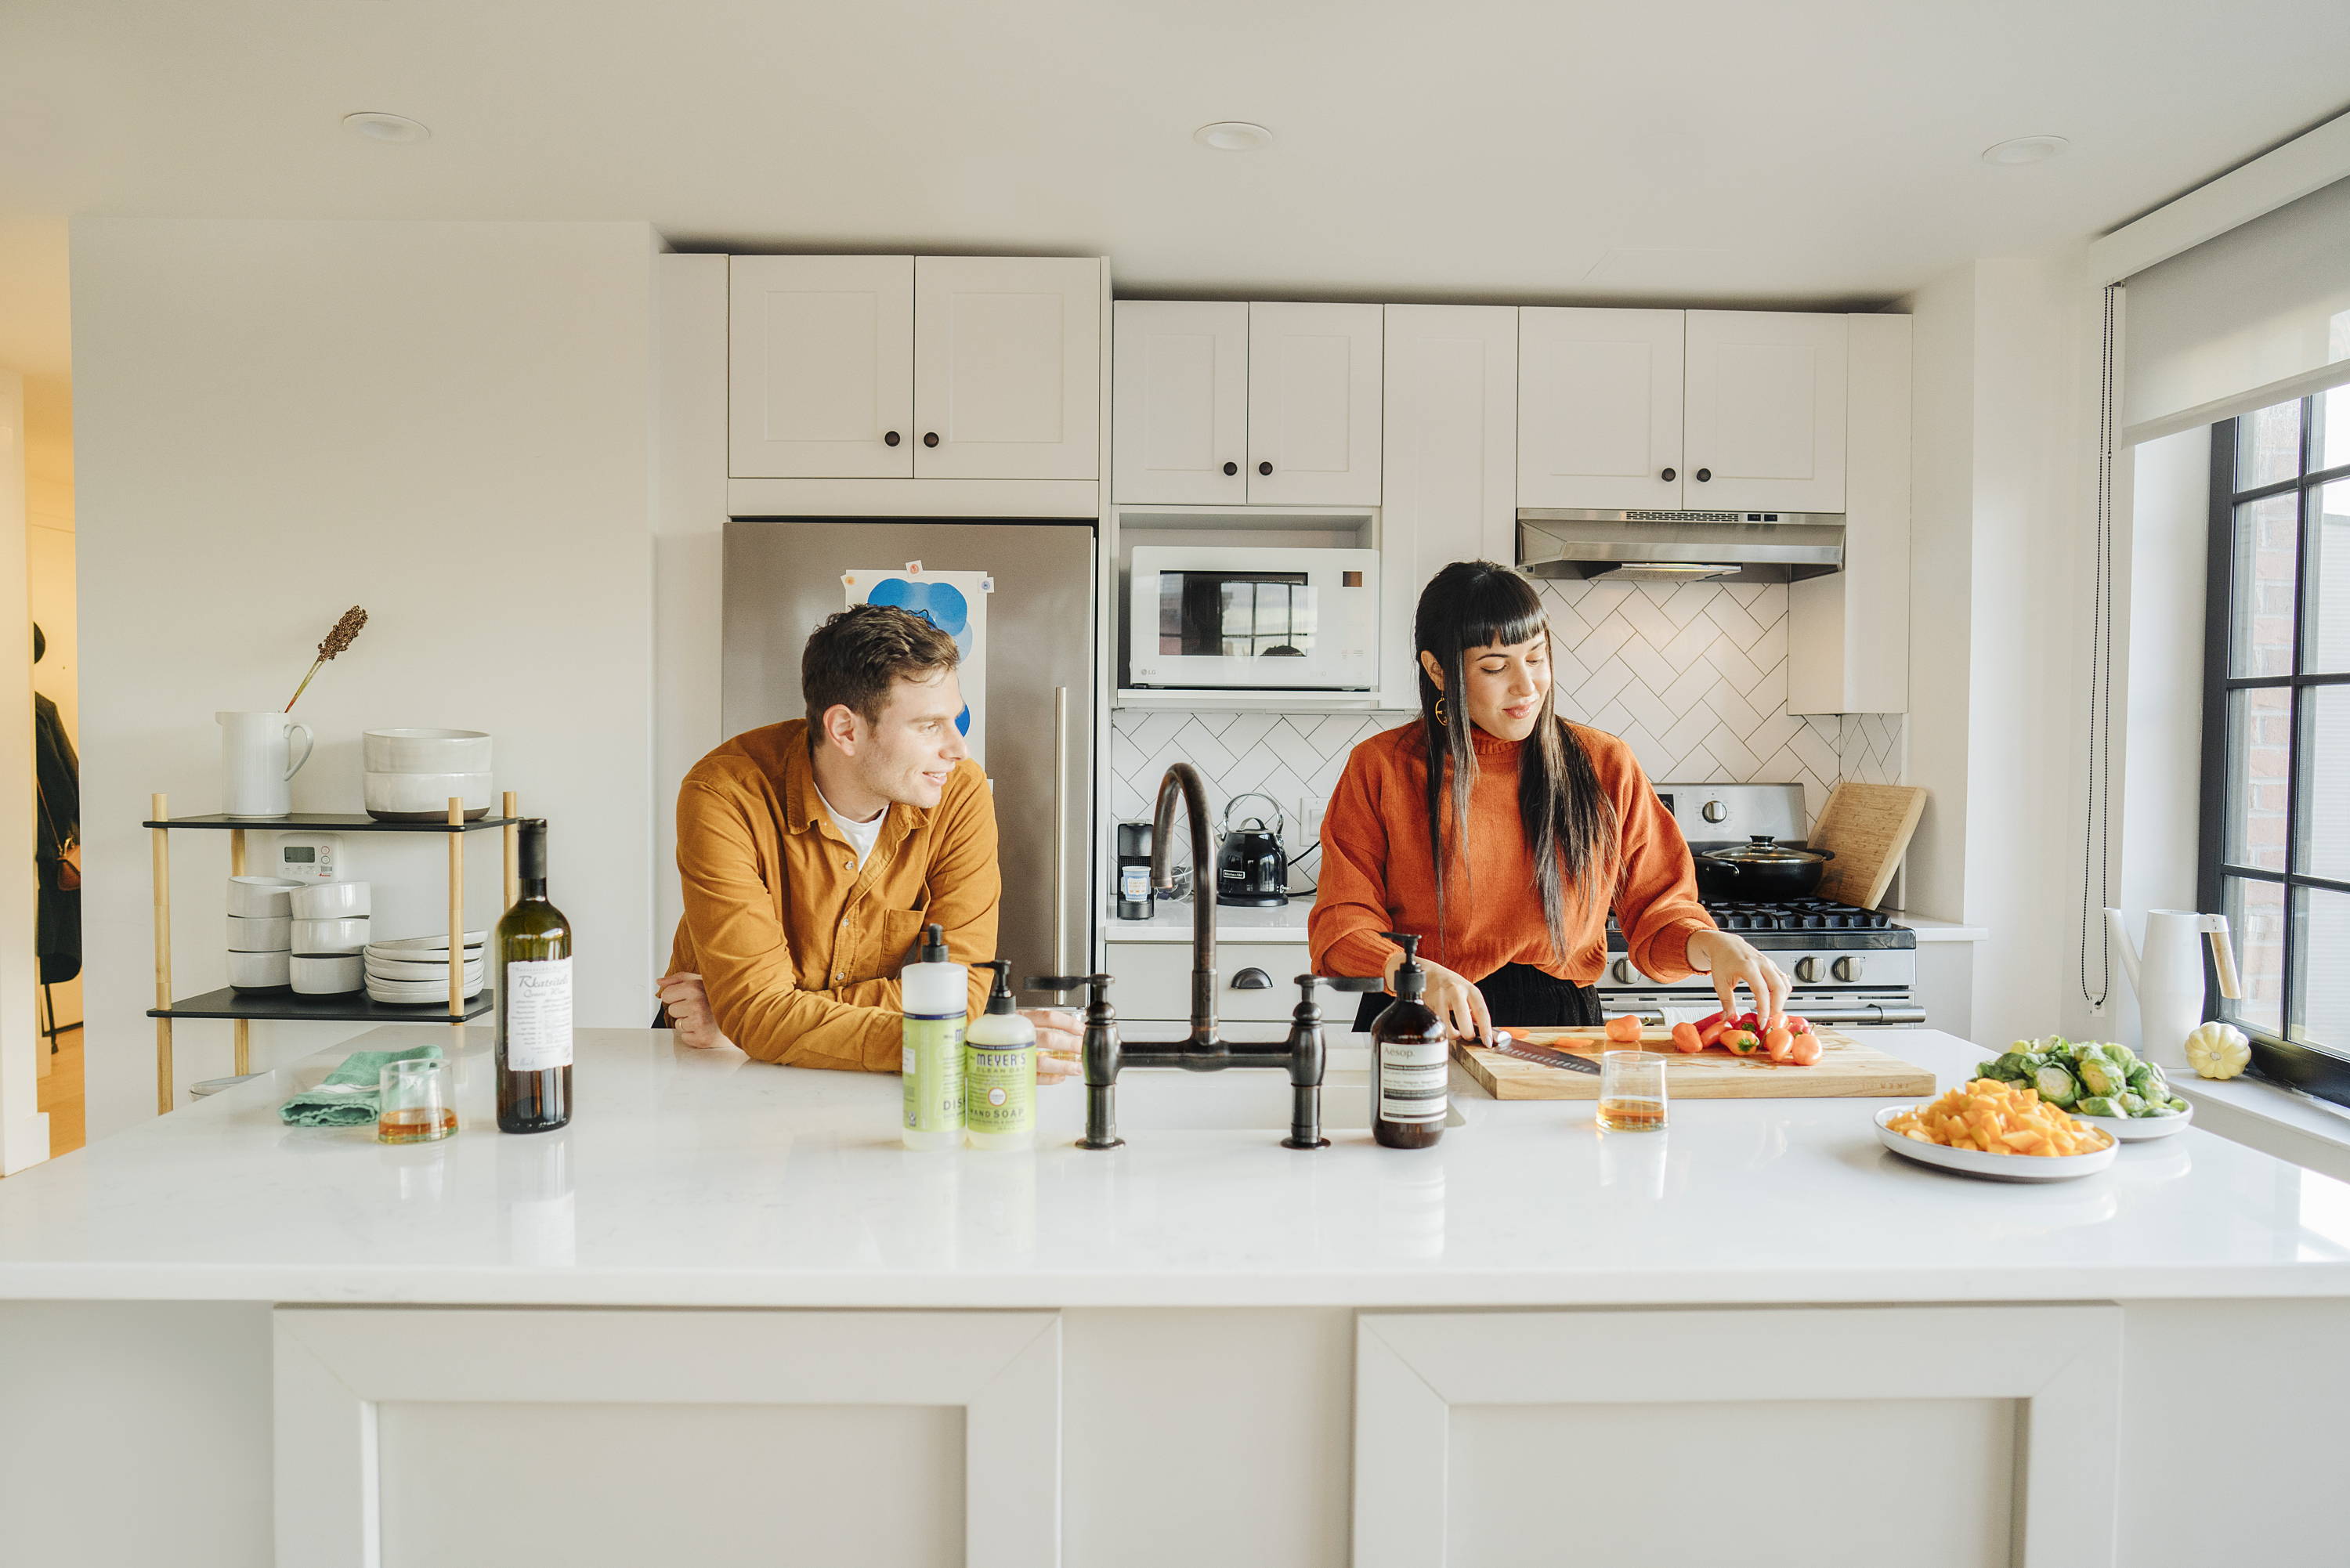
<point>2001,1130</point>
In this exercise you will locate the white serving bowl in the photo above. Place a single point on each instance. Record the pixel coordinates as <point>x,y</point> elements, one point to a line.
<point>425,797</point>
<point>1991,1166</point>
<point>322,975</point>
<point>259,972</point>
<point>259,933</point>
<point>331,901</point>
<point>261,897</point>
<point>2141,1129</point>
<point>317,939</point>
<point>425,751</point>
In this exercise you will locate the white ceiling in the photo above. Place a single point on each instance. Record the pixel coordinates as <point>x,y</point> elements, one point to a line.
<point>1715,150</point>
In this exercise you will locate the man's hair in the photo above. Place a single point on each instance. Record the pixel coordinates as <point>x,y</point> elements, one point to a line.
<point>853,658</point>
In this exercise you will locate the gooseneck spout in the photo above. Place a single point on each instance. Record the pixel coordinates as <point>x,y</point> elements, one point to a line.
<point>1182,778</point>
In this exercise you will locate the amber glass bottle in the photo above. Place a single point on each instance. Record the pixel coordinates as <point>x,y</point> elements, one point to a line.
<point>1409,1060</point>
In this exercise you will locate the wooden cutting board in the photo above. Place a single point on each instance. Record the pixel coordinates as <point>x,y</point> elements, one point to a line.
<point>1846,1070</point>
<point>1866,826</point>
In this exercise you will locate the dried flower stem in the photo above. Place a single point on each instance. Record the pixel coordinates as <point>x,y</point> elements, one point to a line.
<point>346,632</point>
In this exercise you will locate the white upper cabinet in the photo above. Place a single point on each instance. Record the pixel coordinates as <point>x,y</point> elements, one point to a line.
<point>1314,404</point>
<point>1599,408</point>
<point>897,367</point>
<point>1765,405</point>
<point>1451,443</point>
<point>820,367</point>
<point>1180,370</point>
<point>1007,368</point>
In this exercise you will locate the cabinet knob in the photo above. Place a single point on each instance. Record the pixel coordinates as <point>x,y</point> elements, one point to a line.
<point>1264,468</point>
<point>1667,476</point>
<point>1230,469</point>
<point>1704,474</point>
<point>890,438</point>
<point>930,437</point>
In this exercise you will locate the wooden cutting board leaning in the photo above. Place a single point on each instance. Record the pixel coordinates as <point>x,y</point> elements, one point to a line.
<point>1846,1069</point>
<point>1866,828</point>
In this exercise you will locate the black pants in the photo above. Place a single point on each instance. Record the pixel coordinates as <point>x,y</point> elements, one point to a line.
<point>1515,993</point>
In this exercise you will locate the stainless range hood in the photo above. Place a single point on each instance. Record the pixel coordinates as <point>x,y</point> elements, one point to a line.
<point>1639,546</point>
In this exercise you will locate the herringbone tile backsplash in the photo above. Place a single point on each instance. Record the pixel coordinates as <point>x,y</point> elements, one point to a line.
<point>1694,675</point>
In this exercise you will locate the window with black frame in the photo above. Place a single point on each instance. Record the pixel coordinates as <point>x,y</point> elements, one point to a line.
<point>2276,725</point>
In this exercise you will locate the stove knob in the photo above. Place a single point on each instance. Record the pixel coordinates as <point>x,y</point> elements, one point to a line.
<point>1714,811</point>
<point>1620,971</point>
<point>1807,970</point>
<point>1847,969</point>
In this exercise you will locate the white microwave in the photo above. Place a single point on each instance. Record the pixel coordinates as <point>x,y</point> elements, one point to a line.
<point>1222,616</point>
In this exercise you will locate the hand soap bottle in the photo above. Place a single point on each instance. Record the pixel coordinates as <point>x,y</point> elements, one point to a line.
<point>936,996</point>
<point>1409,1059</point>
<point>999,1080</point>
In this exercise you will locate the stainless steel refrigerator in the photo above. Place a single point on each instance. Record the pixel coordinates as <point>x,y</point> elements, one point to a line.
<point>783,576</point>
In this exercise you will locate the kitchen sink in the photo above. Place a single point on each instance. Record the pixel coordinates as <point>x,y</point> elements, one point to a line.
<point>1170,1099</point>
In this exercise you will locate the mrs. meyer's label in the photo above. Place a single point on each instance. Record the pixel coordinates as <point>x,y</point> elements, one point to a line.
<point>538,1014</point>
<point>931,1056</point>
<point>1411,1080</point>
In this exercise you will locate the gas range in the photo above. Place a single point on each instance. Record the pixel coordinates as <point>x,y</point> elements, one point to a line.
<point>1850,966</point>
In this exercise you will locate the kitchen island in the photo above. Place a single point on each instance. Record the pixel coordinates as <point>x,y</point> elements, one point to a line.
<point>725,1317</point>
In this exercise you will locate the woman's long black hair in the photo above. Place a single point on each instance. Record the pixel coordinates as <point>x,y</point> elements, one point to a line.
<point>1570,826</point>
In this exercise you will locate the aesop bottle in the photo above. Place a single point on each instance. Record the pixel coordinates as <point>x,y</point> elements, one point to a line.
<point>1409,1060</point>
<point>532,948</point>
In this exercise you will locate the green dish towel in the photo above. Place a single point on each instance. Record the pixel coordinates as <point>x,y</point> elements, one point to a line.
<point>350,1095</point>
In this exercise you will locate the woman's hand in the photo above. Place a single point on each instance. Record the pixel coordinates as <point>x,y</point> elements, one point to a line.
<point>1733,961</point>
<point>1058,1035</point>
<point>1456,1001</point>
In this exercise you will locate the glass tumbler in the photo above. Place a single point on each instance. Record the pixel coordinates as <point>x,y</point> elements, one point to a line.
<point>1631,1090</point>
<point>418,1101</point>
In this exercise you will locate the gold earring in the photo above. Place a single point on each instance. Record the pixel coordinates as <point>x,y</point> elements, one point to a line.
<point>1442,716</point>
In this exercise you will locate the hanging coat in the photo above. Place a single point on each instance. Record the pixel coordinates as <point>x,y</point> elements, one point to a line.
<point>56,931</point>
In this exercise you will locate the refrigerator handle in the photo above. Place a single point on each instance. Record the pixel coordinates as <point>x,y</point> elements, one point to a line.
<point>1060,830</point>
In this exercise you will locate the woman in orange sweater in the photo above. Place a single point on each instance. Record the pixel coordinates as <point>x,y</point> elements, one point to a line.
<point>1504,835</point>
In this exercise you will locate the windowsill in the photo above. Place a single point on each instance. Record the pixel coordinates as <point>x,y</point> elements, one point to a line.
<point>2311,1133</point>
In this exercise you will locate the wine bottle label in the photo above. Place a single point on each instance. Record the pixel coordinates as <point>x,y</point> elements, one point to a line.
<point>1000,1088</point>
<point>538,1014</point>
<point>1412,1080</point>
<point>931,1056</point>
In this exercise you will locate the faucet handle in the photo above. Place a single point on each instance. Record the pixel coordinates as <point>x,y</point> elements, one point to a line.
<point>1354,982</point>
<point>1096,1004</point>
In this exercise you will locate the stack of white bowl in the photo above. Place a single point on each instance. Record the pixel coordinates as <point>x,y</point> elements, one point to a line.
<point>260,932</point>
<point>411,773</point>
<point>330,932</point>
<point>414,970</point>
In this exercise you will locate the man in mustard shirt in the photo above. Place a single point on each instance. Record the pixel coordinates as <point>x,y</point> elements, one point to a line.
<point>813,852</point>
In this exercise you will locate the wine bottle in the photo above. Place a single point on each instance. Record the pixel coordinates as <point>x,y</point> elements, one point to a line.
<point>532,948</point>
<point>1408,1056</point>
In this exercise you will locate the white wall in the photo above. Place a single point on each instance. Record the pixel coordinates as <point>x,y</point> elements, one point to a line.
<point>24,1127</point>
<point>1998,610</point>
<point>448,423</point>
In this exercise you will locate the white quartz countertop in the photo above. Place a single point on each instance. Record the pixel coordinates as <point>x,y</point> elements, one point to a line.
<point>1173,923</point>
<point>704,1178</point>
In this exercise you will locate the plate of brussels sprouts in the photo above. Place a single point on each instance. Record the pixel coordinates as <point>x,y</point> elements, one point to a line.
<point>2107,1085</point>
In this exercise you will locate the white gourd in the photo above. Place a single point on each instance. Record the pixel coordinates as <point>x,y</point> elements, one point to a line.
<point>2219,1051</point>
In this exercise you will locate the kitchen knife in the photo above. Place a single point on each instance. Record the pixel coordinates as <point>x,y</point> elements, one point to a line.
<point>1542,1053</point>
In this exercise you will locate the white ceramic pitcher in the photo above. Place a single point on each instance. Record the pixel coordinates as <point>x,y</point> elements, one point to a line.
<point>257,763</point>
<point>2168,976</point>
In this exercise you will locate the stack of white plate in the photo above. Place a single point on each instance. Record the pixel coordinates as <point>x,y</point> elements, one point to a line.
<point>414,970</point>
<point>411,773</point>
<point>260,932</point>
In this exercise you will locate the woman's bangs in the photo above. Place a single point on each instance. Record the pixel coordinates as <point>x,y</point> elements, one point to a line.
<point>1502,609</point>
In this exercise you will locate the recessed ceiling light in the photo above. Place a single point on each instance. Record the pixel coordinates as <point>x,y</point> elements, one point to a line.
<point>2021,149</point>
<point>1233,136</point>
<point>373,127</point>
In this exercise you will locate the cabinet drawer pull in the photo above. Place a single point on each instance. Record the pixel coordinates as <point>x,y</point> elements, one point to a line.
<point>1264,468</point>
<point>930,437</point>
<point>1667,476</point>
<point>1704,474</point>
<point>1230,469</point>
<point>1252,979</point>
<point>890,438</point>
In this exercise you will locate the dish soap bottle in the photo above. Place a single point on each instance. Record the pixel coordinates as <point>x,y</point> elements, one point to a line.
<point>936,996</point>
<point>1409,1059</point>
<point>998,1077</point>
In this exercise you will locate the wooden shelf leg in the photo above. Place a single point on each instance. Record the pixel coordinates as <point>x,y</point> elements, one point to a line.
<point>512,834</point>
<point>457,922</point>
<point>158,811</point>
<point>243,1030</point>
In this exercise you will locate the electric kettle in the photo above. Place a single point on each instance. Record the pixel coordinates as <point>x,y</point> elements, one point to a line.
<point>1251,868</point>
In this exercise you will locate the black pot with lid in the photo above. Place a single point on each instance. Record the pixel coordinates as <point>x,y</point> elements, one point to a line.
<point>1762,871</point>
